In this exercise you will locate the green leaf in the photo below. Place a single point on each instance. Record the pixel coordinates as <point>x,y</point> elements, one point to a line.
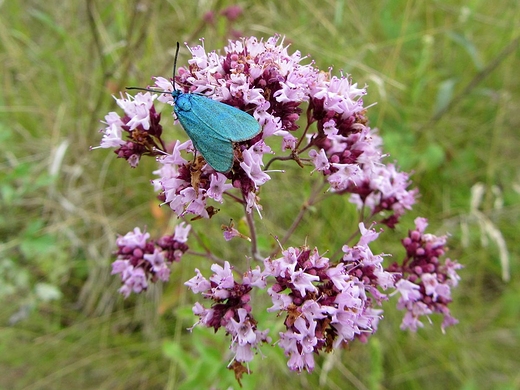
<point>469,47</point>
<point>48,21</point>
<point>444,95</point>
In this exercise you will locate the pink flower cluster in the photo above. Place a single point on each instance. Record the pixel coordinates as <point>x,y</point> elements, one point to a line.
<point>262,78</point>
<point>326,304</point>
<point>141,260</point>
<point>140,124</point>
<point>425,281</point>
<point>230,309</point>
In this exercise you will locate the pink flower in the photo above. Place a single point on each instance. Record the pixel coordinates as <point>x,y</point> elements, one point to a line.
<point>222,277</point>
<point>112,137</point>
<point>181,232</point>
<point>280,301</point>
<point>243,329</point>
<point>319,159</point>
<point>252,165</point>
<point>303,282</point>
<point>134,239</point>
<point>198,283</point>
<point>408,290</point>
<point>218,186</point>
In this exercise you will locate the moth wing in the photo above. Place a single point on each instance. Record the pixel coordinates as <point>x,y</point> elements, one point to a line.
<point>213,126</point>
<point>218,154</point>
<point>216,149</point>
<point>231,123</point>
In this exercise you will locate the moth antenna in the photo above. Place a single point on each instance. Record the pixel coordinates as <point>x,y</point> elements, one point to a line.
<point>148,90</point>
<point>175,66</point>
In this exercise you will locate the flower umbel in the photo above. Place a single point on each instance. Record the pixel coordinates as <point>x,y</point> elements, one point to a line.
<point>230,309</point>
<point>262,78</point>
<point>328,304</point>
<point>426,281</point>
<point>141,260</point>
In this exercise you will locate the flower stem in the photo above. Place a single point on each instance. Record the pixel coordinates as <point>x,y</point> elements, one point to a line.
<point>313,199</point>
<point>252,234</point>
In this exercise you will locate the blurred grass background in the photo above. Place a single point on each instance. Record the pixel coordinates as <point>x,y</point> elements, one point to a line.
<point>445,78</point>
